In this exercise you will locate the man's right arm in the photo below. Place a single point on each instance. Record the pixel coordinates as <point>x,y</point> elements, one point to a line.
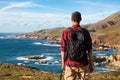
<point>89,48</point>
<point>90,55</point>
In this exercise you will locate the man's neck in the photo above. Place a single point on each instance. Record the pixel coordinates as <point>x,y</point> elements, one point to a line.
<point>75,23</point>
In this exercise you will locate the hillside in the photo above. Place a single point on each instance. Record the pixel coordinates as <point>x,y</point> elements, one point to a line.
<point>111,21</point>
<point>52,34</point>
<point>105,31</point>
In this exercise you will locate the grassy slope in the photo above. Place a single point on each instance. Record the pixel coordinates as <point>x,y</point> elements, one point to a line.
<point>111,32</point>
<point>15,72</point>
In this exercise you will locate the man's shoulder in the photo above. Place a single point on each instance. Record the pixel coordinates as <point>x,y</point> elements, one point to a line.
<point>85,30</point>
<point>67,29</point>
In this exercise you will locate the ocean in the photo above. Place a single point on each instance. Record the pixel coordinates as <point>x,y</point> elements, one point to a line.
<point>14,51</point>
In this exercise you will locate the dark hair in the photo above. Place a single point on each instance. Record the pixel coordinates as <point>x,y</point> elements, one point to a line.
<point>76,16</point>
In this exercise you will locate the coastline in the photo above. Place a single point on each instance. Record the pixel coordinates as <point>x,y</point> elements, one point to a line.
<point>109,61</point>
<point>28,74</point>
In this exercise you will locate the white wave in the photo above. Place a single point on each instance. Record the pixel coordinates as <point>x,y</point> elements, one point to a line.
<point>20,64</point>
<point>37,43</point>
<point>45,44</point>
<point>1,37</point>
<point>51,44</point>
<point>36,63</point>
<point>55,45</point>
<point>26,61</point>
<point>56,62</point>
<point>101,54</point>
<point>101,69</point>
<point>21,58</point>
<point>52,54</point>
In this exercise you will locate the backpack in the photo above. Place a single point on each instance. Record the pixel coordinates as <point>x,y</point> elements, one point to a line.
<point>76,45</point>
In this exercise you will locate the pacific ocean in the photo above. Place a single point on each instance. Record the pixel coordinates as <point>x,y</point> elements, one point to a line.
<point>14,51</point>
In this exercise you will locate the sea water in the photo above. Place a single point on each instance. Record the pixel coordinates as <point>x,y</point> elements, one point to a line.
<point>14,51</point>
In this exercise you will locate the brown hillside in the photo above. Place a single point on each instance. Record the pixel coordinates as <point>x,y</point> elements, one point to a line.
<point>108,30</point>
<point>110,21</point>
<point>53,34</point>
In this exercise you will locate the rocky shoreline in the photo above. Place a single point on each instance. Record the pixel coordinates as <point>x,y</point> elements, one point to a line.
<point>100,40</point>
<point>111,62</point>
<point>98,45</point>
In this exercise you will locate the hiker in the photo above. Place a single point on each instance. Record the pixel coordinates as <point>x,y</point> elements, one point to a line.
<point>76,50</point>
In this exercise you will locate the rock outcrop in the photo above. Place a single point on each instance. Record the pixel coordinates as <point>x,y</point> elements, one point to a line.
<point>36,57</point>
<point>112,61</point>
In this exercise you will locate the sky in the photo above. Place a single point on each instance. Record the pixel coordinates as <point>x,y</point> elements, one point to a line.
<point>33,15</point>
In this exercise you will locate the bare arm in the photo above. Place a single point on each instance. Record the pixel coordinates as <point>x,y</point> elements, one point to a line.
<point>63,61</point>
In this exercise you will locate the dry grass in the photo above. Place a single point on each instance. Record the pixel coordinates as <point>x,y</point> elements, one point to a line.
<point>15,72</point>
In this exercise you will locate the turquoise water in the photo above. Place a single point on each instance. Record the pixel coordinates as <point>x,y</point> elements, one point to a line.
<point>13,51</point>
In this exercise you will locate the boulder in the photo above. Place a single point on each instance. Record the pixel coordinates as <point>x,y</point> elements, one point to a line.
<point>36,57</point>
<point>42,62</point>
<point>114,57</point>
<point>100,58</point>
<point>114,65</point>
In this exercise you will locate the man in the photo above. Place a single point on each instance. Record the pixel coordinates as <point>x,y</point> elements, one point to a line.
<point>71,68</point>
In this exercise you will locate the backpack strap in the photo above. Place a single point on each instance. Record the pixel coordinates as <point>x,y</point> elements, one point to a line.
<point>66,52</point>
<point>71,30</point>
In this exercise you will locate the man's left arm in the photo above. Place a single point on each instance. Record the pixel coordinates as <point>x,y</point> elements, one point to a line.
<point>63,61</point>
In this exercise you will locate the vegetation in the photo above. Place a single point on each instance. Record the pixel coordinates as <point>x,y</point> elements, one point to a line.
<point>17,72</point>
<point>56,32</point>
<point>106,76</point>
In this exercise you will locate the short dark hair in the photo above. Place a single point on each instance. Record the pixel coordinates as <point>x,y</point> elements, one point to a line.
<point>76,16</point>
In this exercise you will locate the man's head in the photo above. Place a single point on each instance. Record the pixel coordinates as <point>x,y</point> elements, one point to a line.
<point>76,17</point>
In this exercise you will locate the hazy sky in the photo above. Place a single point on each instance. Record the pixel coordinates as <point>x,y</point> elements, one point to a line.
<point>33,15</point>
